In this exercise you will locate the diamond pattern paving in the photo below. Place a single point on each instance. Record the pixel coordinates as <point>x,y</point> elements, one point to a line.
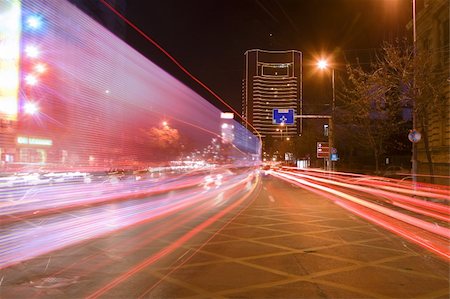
<point>295,244</point>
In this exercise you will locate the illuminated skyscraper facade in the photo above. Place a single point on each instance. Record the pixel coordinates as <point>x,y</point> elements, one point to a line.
<point>272,80</point>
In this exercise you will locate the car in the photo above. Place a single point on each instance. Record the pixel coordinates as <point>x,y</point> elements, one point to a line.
<point>265,167</point>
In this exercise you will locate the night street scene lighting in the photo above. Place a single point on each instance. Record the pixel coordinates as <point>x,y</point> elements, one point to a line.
<point>224,149</point>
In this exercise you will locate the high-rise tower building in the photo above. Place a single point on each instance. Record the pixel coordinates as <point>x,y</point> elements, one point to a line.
<point>272,80</point>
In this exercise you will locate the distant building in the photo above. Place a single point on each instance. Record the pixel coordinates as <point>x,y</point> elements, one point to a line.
<point>272,79</point>
<point>432,23</point>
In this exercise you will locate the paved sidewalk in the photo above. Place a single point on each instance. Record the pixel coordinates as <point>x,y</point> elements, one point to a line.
<point>295,244</point>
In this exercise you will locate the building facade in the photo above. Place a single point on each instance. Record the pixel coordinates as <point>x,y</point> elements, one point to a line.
<point>432,23</point>
<point>272,80</point>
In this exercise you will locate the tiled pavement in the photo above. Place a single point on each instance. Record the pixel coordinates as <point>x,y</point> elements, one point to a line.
<point>295,244</point>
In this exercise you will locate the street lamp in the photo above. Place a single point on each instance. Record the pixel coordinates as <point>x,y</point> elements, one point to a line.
<point>323,64</point>
<point>414,116</point>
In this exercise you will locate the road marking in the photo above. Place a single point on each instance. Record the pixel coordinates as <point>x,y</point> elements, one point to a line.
<point>48,263</point>
<point>271,198</point>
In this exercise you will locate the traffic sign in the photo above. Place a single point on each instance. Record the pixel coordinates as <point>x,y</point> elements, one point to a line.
<point>283,116</point>
<point>323,150</point>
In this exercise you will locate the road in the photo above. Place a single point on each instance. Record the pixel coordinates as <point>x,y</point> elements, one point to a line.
<point>248,236</point>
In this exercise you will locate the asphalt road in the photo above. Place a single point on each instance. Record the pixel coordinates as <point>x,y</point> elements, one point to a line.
<point>258,238</point>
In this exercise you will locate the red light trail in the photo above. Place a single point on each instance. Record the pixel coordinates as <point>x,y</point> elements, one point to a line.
<point>419,220</point>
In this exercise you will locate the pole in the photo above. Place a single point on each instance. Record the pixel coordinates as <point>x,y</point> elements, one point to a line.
<point>287,132</point>
<point>414,116</point>
<point>331,128</point>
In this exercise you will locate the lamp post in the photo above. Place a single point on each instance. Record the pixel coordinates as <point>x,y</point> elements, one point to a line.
<point>323,64</point>
<point>283,125</point>
<point>281,133</point>
<point>414,146</point>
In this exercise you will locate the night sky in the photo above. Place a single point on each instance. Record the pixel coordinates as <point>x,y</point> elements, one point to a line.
<point>209,38</point>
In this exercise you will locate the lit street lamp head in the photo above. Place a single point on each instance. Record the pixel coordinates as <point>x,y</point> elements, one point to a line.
<point>322,64</point>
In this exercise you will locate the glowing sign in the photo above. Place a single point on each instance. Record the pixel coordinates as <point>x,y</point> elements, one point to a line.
<point>283,116</point>
<point>9,58</point>
<point>323,150</point>
<point>34,141</point>
<point>226,115</point>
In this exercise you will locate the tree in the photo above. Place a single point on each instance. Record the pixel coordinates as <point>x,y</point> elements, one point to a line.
<point>164,142</point>
<point>368,112</point>
<point>374,100</point>
<point>305,145</point>
<point>412,77</point>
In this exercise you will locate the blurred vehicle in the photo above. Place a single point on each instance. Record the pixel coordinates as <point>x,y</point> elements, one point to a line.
<point>116,172</point>
<point>265,167</point>
<point>212,181</point>
<point>140,174</point>
<point>33,179</point>
<point>24,179</point>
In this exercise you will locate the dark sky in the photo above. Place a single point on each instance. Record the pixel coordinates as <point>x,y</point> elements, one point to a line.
<point>209,37</point>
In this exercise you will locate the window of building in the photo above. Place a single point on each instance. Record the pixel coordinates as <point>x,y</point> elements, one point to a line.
<point>275,71</point>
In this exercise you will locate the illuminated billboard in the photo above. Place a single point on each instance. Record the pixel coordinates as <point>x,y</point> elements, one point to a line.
<point>10,28</point>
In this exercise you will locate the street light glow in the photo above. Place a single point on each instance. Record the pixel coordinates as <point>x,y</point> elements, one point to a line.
<point>31,108</point>
<point>40,68</point>
<point>322,64</point>
<point>32,51</point>
<point>31,79</point>
<point>34,22</point>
